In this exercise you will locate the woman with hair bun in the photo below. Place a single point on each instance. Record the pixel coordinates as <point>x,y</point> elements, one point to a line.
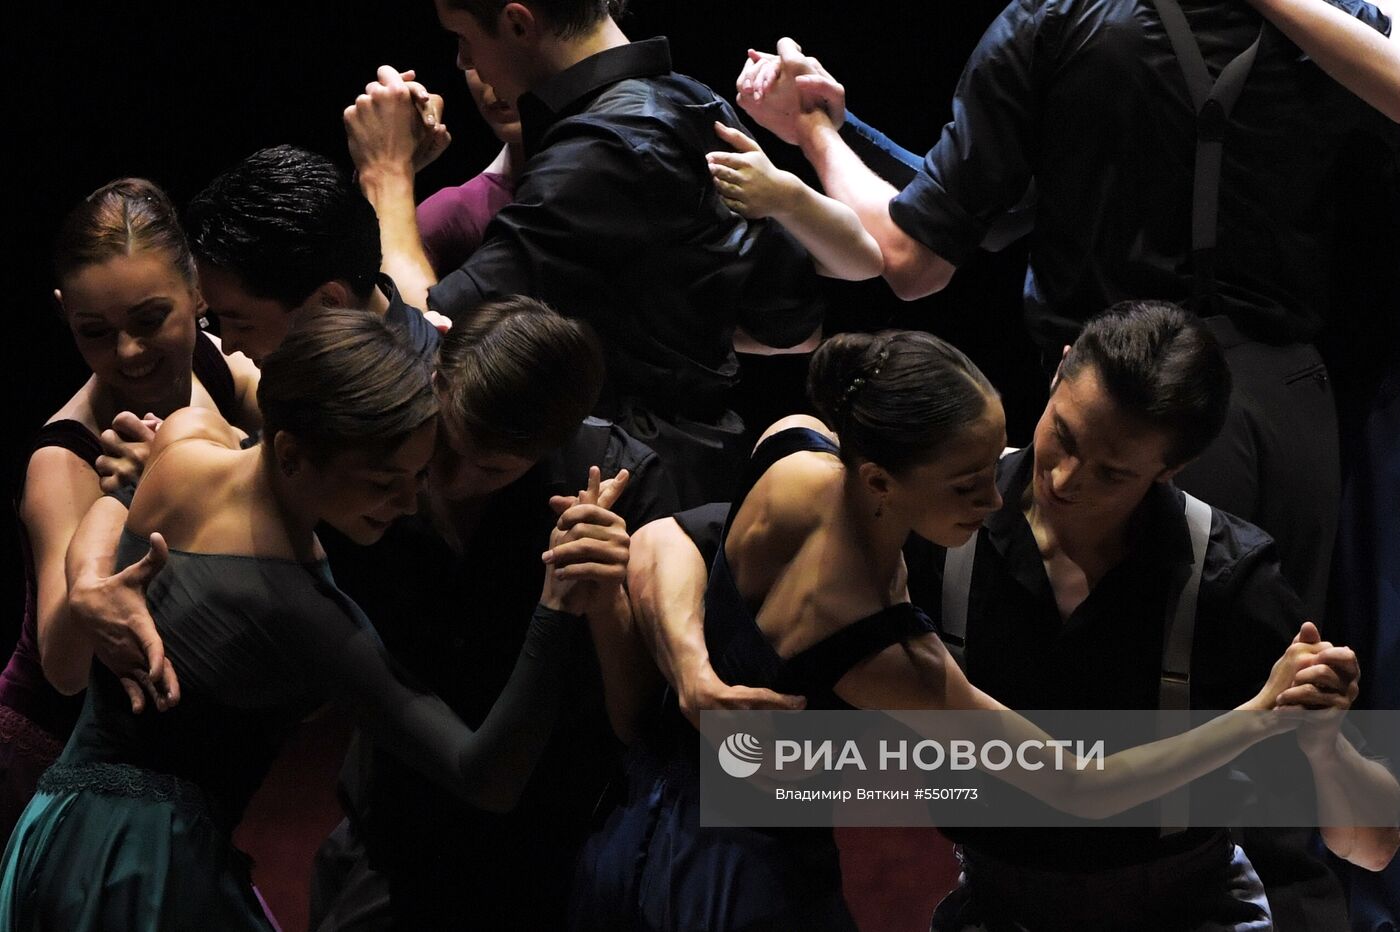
<point>807,597</point>
<point>127,290</point>
<point>131,827</point>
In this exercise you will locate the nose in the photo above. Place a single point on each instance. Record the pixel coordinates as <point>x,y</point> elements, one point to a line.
<point>992,501</point>
<point>1062,476</point>
<point>128,347</point>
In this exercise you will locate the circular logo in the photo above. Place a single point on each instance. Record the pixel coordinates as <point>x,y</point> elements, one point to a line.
<point>741,755</point>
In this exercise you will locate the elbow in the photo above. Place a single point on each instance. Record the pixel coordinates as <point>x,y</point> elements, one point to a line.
<point>1377,855</point>
<point>912,277</point>
<point>64,679</point>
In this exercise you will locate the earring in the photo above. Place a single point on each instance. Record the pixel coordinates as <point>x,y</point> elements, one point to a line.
<point>880,509</point>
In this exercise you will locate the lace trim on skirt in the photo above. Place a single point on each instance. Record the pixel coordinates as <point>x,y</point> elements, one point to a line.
<point>126,781</point>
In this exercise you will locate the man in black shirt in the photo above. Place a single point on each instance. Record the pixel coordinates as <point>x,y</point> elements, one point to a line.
<point>1065,609</point>
<point>1093,103</point>
<point>447,589</point>
<point>616,221</point>
<point>283,232</point>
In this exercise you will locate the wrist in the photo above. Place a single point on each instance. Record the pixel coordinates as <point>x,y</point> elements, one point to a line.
<point>386,179</point>
<point>816,137</point>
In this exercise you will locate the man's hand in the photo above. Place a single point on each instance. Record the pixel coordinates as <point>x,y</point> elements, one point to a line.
<point>777,90</point>
<point>1327,683</point>
<point>395,127</point>
<point>125,447</point>
<point>589,547</point>
<point>112,612</point>
<point>701,690</point>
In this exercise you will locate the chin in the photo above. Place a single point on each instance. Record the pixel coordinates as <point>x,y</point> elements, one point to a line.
<point>954,535</point>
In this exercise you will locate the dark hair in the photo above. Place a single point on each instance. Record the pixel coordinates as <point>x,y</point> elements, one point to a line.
<point>343,379</point>
<point>118,219</point>
<point>518,377</point>
<point>896,397</point>
<point>285,221</point>
<point>1163,367</point>
<point>567,18</point>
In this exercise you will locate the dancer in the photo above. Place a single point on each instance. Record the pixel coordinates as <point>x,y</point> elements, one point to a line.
<point>131,826</point>
<point>129,294</point>
<point>812,542</point>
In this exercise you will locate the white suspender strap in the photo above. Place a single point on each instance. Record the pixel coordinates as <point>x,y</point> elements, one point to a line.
<point>957,593</point>
<point>1174,688</point>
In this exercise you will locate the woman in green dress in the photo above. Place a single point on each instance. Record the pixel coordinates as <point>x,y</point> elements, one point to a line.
<point>131,827</point>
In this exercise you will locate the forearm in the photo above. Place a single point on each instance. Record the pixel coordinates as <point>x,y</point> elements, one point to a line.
<point>496,761</point>
<point>666,577</point>
<point>629,675</point>
<point>1358,57</point>
<point>832,233</point>
<point>1358,805</point>
<point>911,269</point>
<point>65,649</point>
<point>404,258</point>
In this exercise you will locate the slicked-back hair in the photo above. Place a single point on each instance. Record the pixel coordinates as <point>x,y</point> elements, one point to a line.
<point>516,377</point>
<point>286,221</point>
<point>1162,367</point>
<point>121,218</point>
<point>344,380</point>
<point>567,19</point>
<point>895,398</point>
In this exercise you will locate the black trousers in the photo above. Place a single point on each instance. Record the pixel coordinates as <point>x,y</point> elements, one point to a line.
<point>1277,462</point>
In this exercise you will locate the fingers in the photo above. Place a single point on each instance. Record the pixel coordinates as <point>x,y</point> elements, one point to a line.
<point>441,322</point>
<point>736,138</point>
<point>135,695</point>
<point>757,699</point>
<point>131,428</point>
<point>562,503</point>
<point>1321,676</point>
<point>1310,697</point>
<point>388,76</point>
<point>613,488</point>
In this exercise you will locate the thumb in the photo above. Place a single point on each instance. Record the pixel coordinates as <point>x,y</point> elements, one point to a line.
<point>149,566</point>
<point>562,503</point>
<point>1308,634</point>
<point>736,138</point>
<point>788,49</point>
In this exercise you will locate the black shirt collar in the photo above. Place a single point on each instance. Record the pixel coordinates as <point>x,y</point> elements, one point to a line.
<point>568,91</point>
<point>1157,532</point>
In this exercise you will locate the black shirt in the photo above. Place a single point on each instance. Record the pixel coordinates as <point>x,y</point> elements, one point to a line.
<point>1107,655</point>
<point>409,322</point>
<point>456,622</point>
<point>1087,98</point>
<point>616,220</point>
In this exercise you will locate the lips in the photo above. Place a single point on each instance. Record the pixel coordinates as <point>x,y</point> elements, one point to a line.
<point>136,373</point>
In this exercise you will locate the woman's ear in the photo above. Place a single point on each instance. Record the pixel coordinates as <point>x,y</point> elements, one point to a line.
<point>875,478</point>
<point>287,452</point>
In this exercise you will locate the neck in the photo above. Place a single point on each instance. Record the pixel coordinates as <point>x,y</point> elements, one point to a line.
<point>378,302</point>
<point>107,402</point>
<point>269,484</point>
<point>559,55</point>
<point>511,155</point>
<point>1091,537</point>
<point>881,539</point>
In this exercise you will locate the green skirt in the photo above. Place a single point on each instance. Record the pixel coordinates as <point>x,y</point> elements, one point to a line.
<point>112,847</point>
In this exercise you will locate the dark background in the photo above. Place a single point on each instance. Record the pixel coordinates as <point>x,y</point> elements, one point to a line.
<point>178,92</point>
